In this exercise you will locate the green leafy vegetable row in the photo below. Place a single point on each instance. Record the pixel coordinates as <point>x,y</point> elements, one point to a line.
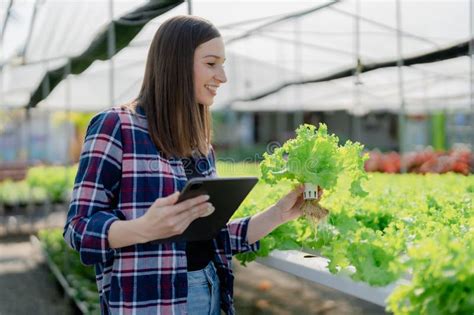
<point>42,184</point>
<point>79,277</point>
<point>417,227</point>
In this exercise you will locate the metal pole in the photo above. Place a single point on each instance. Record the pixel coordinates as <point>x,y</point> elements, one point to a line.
<point>282,110</point>
<point>190,7</point>
<point>3,58</point>
<point>471,77</point>
<point>28,135</point>
<point>356,120</point>
<point>111,52</point>
<point>5,21</point>
<point>299,113</point>
<point>2,78</point>
<point>30,30</point>
<point>29,160</point>
<point>401,112</point>
<point>67,78</point>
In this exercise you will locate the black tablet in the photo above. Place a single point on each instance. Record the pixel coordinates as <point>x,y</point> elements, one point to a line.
<point>226,195</point>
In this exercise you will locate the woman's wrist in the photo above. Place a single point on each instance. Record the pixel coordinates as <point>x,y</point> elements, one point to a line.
<point>278,214</point>
<point>128,232</point>
<point>263,223</point>
<point>143,229</point>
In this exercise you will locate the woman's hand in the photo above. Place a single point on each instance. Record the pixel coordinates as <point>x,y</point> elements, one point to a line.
<point>289,207</point>
<point>166,218</point>
<point>286,209</point>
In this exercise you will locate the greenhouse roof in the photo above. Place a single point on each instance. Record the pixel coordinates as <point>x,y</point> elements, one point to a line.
<point>282,55</point>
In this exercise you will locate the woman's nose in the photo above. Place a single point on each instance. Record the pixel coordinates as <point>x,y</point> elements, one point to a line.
<point>221,75</point>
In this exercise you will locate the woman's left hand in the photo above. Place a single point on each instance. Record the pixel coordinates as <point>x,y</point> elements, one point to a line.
<point>289,207</point>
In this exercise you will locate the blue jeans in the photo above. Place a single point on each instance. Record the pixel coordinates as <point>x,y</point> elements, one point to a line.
<point>203,291</point>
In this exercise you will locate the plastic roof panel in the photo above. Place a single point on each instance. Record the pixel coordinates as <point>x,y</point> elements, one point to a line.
<point>62,29</point>
<point>265,51</point>
<point>66,28</point>
<point>440,87</point>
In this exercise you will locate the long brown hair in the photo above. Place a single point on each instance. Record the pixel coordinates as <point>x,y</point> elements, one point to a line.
<point>176,123</point>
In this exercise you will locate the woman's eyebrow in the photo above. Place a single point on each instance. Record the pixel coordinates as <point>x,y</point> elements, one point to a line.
<point>215,56</point>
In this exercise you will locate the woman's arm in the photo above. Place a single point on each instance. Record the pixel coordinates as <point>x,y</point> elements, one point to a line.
<point>263,223</point>
<point>91,210</point>
<point>93,227</point>
<point>286,209</point>
<point>165,218</point>
<point>127,232</point>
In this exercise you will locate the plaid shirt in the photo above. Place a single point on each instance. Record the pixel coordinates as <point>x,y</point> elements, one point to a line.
<point>120,174</point>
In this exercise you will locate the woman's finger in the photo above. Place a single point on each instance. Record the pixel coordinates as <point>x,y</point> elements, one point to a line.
<point>190,203</point>
<point>299,202</point>
<point>195,212</point>
<point>295,193</point>
<point>300,188</point>
<point>187,217</point>
<point>167,201</point>
<point>210,210</point>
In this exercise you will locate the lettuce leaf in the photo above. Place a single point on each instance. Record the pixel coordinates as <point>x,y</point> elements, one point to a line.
<point>316,157</point>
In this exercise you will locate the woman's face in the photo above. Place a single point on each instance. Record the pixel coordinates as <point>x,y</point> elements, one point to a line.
<point>209,71</point>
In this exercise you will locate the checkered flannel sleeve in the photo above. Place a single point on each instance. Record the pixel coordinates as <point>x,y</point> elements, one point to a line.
<point>238,236</point>
<point>94,197</point>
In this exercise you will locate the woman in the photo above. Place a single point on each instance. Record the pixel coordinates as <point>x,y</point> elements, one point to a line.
<point>134,162</point>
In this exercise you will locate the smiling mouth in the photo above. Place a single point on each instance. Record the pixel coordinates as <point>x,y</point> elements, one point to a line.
<point>211,88</point>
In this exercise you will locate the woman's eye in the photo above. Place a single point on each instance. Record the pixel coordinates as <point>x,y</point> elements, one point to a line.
<point>211,64</point>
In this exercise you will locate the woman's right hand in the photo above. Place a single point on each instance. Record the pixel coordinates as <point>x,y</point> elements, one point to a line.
<point>166,218</point>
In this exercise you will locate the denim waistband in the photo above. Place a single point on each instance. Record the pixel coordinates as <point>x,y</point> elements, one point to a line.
<point>203,276</point>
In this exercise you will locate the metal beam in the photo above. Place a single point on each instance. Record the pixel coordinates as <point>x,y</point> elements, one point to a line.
<point>454,51</point>
<point>279,20</point>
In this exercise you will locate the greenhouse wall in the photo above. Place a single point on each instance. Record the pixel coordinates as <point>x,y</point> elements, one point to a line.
<point>37,140</point>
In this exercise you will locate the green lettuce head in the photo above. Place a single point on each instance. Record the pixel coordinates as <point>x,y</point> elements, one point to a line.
<point>315,157</point>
